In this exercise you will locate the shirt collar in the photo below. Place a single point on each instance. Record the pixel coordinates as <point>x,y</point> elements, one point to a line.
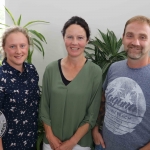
<point>11,70</point>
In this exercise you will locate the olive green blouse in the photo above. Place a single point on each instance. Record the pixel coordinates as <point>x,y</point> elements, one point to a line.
<point>66,108</point>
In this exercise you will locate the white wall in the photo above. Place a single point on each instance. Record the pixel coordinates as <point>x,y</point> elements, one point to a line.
<point>99,14</point>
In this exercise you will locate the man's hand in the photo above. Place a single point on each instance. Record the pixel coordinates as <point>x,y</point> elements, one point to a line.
<point>97,137</point>
<point>146,147</point>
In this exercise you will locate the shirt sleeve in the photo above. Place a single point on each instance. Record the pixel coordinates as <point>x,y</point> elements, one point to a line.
<point>93,109</point>
<point>45,99</point>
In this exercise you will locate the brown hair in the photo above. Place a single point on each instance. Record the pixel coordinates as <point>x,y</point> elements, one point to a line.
<point>79,21</point>
<point>141,19</point>
<point>14,29</point>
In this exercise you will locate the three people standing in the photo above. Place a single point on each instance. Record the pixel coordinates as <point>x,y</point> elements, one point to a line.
<point>72,90</point>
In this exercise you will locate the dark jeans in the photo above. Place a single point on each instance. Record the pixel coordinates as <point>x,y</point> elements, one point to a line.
<point>99,147</point>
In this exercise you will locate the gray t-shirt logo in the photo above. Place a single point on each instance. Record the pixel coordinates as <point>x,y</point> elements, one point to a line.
<point>125,105</point>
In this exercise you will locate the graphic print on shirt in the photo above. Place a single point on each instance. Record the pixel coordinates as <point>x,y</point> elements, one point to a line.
<point>3,124</point>
<point>125,105</point>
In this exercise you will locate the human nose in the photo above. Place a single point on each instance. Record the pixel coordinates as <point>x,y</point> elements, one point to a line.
<point>136,41</point>
<point>18,50</point>
<point>74,41</point>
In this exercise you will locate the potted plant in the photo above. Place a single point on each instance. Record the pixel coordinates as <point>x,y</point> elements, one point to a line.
<point>105,51</point>
<point>36,38</point>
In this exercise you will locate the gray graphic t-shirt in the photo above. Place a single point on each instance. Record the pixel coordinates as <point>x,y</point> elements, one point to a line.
<point>127,117</point>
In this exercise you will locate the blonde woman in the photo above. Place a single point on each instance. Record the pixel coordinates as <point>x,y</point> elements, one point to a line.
<point>19,94</point>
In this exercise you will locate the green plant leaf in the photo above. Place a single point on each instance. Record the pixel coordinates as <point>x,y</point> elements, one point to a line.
<point>89,56</point>
<point>105,67</point>
<point>39,35</point>
<point>89,48</point>
<point>105,51</point>
<point>105,38</point>
<point>39,141</point>
<point>36,21</point>
<point>29,58</point>
<point>119,44</point>
<point>43,37</point>
<point>4,24</point>
<point>19,20</point>
<point>102,46</point>
<point>112,41</point>
<point>40,45</point>
<point>11,16</point>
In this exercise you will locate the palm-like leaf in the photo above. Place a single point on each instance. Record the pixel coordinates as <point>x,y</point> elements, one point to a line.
<point>19,21</point>
<point>36,21</point>
<point>105,51</point>
<point>39,35</point>
<point>29,58</point>
<point>4,25</point>
<point>38,44</point>
<point>11,16</point>
<point>36,38</point>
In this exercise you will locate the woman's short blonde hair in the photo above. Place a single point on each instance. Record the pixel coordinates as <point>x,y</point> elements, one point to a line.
<point>13,29</point>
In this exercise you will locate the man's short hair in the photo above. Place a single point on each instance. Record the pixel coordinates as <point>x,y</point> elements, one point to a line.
<point>141,19</point>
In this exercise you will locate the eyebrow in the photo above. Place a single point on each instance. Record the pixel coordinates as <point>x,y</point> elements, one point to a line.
<point>139,34</point>
<point>129,32</point>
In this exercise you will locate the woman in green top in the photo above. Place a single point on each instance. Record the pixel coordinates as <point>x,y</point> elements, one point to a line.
<point>71,93</point>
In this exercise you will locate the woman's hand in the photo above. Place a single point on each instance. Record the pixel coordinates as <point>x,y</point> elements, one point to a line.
<point>1,145</point>
<point>97,137</point>
<point>67,145</point>
<point>53,141</point>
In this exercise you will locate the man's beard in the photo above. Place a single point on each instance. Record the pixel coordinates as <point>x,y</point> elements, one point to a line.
<point>132,55</point>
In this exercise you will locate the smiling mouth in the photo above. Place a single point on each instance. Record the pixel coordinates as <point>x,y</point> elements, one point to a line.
<point>74,48</point>
<point>132,47</point>
<point>18,57</point>
<point>136,49</point>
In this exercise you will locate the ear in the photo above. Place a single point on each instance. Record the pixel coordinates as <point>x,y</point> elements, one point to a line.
<point>64,38</point>
<point>4,52</point>
<point>87,42</point>
<point>3,48</point>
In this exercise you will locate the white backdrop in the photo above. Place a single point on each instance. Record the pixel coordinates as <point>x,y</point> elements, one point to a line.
<point>99,14</point>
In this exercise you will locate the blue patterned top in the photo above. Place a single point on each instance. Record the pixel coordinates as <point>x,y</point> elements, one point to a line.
<point>19,99</point>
